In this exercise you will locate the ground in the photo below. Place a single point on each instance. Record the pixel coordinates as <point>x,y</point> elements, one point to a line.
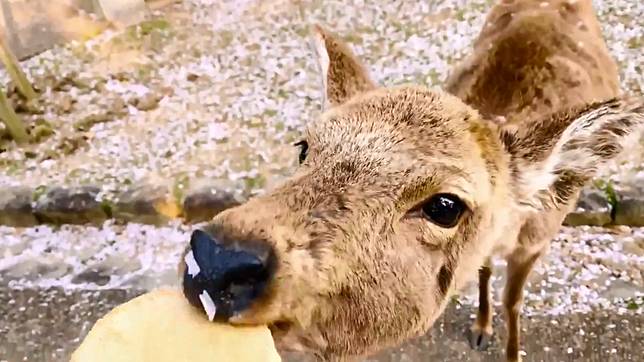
<point>218,91</point>
<point>47,325</point>
<point>583,302</point>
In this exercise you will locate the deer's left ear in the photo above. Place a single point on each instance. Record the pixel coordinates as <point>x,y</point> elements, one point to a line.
<point>343,76</point>
<point>553,157</point>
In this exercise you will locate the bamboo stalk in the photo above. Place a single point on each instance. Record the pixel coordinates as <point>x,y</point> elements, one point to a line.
<point>11,120</point>
<point>13,68</point>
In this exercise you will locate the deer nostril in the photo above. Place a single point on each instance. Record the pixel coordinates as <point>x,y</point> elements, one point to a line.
<point>222,279</point>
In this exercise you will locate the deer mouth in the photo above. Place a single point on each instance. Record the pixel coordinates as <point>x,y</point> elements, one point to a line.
<point>289,337</point>
<point>280,329</point>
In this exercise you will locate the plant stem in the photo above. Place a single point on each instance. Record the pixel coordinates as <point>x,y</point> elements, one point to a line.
<point>13,68</point>
<point>11,120</point>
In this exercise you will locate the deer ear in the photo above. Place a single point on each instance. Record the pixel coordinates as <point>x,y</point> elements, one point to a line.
<point>343,76</point>
<point>554,157</point>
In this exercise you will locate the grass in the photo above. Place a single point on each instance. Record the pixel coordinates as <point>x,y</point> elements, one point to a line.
<point>14,124</point>
<point>41,131</point>
<point>608,189</point>
<point>13,68</point>
<point>39,192</point>
<point>635,42</point>
<point>148,27</point>
<point>107,207</point>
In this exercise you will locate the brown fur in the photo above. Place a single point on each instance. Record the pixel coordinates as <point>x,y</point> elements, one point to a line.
<point>359,267</point>
<point>531,60</point>
<point>347,76</point>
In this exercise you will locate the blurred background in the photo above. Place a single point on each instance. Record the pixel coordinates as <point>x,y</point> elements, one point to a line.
<point>127,123</point>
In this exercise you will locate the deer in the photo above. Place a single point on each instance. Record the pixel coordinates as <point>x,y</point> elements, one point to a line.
<point>404,193</point>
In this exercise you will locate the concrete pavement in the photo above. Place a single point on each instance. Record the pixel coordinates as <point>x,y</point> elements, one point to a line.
<point>48,324</point>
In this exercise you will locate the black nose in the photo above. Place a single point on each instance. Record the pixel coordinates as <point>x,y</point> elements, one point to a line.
<point>225,279</point>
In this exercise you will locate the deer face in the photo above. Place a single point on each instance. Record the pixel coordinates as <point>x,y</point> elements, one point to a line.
<point>400,195</point>
<point>364,242</point>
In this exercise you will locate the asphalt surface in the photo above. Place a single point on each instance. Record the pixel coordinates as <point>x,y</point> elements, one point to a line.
<point>48,324</point>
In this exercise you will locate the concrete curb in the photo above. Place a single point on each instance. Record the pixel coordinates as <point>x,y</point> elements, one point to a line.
<point>624,206</point>
<point>24,207</point>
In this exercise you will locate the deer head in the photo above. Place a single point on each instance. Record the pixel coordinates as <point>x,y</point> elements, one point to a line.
<point>401,194</point>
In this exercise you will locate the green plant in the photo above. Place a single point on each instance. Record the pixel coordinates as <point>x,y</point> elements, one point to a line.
<point>608,189</point>
<point>13,68</point>
<point>612,197</point>
<point>107,207</point>
<point>147,27</point>
<point>39,192</point>
<point>14,124</point>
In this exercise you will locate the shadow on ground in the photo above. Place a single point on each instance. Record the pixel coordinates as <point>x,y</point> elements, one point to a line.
<point>47,325</point>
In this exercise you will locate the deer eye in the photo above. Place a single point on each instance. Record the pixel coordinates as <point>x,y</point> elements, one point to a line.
<point>444,210</point>
<point>304,150</point>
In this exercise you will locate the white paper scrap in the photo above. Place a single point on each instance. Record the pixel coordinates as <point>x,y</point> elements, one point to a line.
<point>208,305</point>
<point>193,267</point>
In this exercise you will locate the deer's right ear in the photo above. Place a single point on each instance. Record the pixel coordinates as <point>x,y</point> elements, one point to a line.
<point>555,156</point>
<point>343,76</point>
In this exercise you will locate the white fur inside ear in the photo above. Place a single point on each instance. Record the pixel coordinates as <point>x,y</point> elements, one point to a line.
<point>541,176</point>
<point>323,62</point>
<point>582,134</point>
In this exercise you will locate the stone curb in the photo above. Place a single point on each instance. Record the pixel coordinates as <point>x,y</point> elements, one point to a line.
<point>594,208</point>
<point>24,207</point>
